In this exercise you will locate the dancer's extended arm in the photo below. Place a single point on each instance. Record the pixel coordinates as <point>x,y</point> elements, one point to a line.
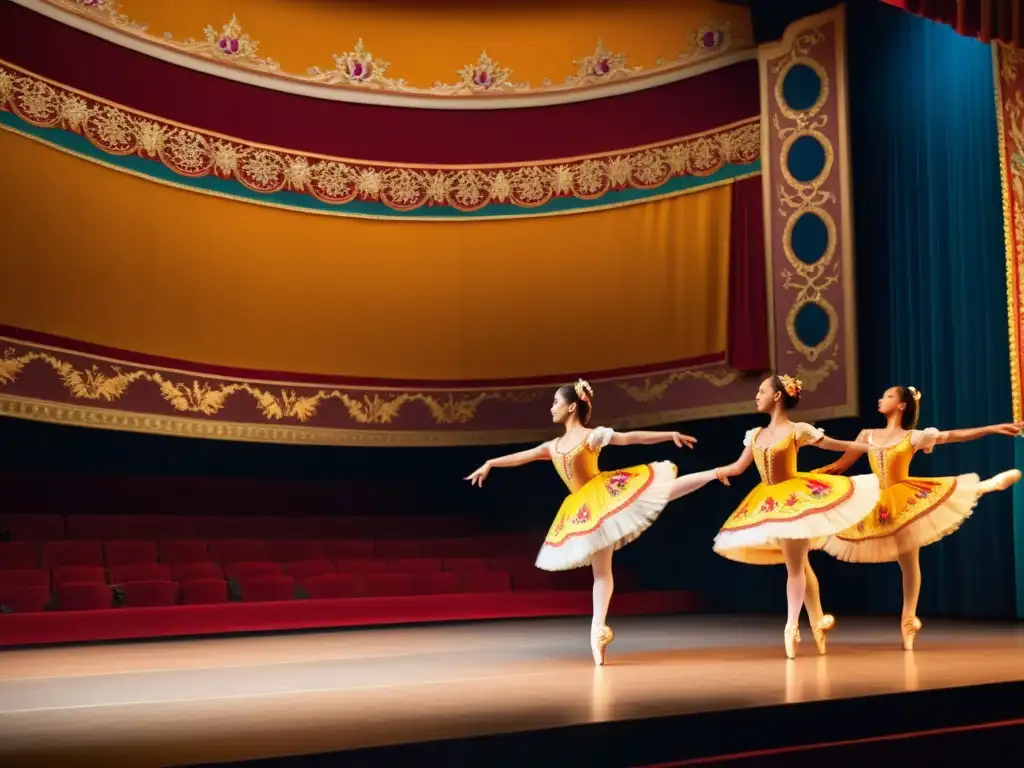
<point>975,433</point>
<point>738,467</point>
<point>847,460</point>
<point>540,453</point>
<point>652,438</point>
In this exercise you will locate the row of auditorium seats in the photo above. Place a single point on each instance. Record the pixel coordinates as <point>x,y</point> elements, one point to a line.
<point>53,554</point>
<point>108,527</point>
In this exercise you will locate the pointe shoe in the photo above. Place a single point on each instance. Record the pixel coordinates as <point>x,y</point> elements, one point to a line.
<point>1002,481</point>
<point>791,636</point>
<point>600,639</point>
<point>909,629</point>
<point>825,625</point>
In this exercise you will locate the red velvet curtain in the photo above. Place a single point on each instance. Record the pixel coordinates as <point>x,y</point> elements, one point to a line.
<point>747,348</point>
<point>987,20</point>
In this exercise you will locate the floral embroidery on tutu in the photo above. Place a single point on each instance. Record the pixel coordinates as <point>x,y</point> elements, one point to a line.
<point>617,483</point>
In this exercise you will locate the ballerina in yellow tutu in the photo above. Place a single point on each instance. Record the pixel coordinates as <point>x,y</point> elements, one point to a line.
<point>604,511</point>
<point>788,511</point>
<point>913,512</point>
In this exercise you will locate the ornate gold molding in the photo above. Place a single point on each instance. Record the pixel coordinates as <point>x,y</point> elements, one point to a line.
<point>359,70</point>
<point>116,393</point>
<point>1008,64</point>
<point>192,153</point>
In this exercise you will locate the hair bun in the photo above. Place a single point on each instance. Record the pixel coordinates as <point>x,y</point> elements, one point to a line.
<point>583,390</point>
<point>793,387</point>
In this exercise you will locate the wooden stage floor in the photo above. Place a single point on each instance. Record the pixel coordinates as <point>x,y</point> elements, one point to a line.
<point>213,700</point>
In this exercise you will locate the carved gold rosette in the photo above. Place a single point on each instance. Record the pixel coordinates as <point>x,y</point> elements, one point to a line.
<point>230,45</point>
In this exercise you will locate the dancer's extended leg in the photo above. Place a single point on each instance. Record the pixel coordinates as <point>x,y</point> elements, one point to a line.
<point>604,584</point>
<point>821,622</point>
<point>795,553</point>
<point>910,625</point>
<point>685,484</point>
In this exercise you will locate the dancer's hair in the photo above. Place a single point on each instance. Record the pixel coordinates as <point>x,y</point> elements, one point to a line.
<point>790,388</point>
<point>911,400</point>
<point>582,394</point>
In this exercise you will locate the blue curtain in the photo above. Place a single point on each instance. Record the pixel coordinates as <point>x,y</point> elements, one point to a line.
<point>931,282</point>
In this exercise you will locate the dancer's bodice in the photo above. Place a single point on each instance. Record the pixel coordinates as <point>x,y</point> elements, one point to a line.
<point>578,465</point>
<point>776,463</point>
<point>891,464</point>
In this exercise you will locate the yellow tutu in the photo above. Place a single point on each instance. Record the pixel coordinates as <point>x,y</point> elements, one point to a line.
<point>791,505</point>
<point>912,512</point>
<point>603,509</point>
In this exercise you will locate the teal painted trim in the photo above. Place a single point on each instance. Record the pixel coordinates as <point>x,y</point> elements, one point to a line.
<point>155,170</point>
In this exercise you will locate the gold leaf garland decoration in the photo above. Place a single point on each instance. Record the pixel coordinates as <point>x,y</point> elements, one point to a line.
<point>194,154</point>
<point>653,390</point>
<point>359,69</point>
<point>1010,113</point>
<point>209,397</point>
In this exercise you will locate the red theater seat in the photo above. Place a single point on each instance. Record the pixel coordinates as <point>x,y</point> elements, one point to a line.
<point>513,564</point>
<point>24,599</point>
<point>84,597</point>
<point>140,572</point>
<point>252,570</point>
<point>28,577</point>
<point>453,548</point>
<point>197,571</point>
<point>87,527</point>
<point>79,574</point>
<point>305,569</point>
<point>349,549</point>
<point>296,551</point>
<point>484,581</point>
<point>360,566</point>
<point>331,585</point>
<point>183,551</point>
<point>149,594</point>
<point>414,565</point>
<point>433,583</point>
<point>238,551</point>
<point>59,553</point>
<point>465,564</point>
<point>204,592</point>
<point>18,555</point>
<point>268,589</point>
<point>34,527</point>
<point>396,549</point>
<point>130,552</point>
<point>156,527</point>
<point>388,584</point>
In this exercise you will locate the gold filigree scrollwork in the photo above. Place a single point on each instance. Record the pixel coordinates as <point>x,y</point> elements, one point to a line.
<point>359,69</point>
<point>796,198</point>
<point>105,11</point>
<point>193,154</point>
<point>208,397</point>
<point>231,44</point>
<point>601,66</point>
<point>486,75</point>
<point>652,389</point>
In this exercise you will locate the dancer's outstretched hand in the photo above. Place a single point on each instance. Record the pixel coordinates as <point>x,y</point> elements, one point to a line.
<point>683,441</point>
<point>478,477</point>
<point>722,477</point>
<point>1010,430</point>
